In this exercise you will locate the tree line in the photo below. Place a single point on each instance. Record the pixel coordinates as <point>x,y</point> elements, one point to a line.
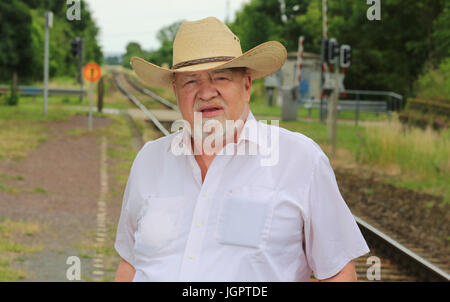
<point>411,40</point>
<point>22,39</point>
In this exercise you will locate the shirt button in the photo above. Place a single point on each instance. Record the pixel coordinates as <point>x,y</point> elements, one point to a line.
<point>205,194</point>
<point>191,256</point>
<point>198,224</point>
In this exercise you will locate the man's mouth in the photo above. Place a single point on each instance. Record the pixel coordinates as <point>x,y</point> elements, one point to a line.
<point>210,111</point>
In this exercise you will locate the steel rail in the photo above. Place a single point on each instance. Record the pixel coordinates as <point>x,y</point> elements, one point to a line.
<point>151,94</point>
<point>140,106</point>
<point>424,263</point>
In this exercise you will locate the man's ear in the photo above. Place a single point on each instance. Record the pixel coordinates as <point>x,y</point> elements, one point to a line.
<point>174,89</point>
<point>248,81</point>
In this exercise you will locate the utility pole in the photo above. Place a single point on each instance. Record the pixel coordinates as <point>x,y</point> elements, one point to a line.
<point>324,45</point>
<point>333,57</point>
<point>332,111</point>
<point>48,25</point>
<point>77,50</point>
<point>81,62</point>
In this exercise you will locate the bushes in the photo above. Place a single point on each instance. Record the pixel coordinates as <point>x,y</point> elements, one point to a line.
<point>424,113</point>
<point>431,107</point>
<point>11,99</point>
<point>435,83</point>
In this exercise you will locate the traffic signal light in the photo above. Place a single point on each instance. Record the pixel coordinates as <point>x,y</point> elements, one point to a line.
<point>346,56</point>
<point>324,54</point>
<point>333,50</point>
<point>76,47</point>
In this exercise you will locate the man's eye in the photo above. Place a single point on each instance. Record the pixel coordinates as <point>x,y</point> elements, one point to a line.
<point>221,78</point>
<point>190,82</point>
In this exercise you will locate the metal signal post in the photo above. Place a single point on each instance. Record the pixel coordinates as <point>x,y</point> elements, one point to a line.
<point>48,25</point>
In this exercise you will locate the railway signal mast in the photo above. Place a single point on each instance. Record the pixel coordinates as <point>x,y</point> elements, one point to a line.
<point>340,57</point>
<point>346,56</point>
<point>48,25</point>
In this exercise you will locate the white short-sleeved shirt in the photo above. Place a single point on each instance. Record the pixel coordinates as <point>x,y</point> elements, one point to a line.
<point>275,215</point>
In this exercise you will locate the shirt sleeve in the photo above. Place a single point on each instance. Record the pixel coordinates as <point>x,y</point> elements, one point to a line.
<point>332,237</point>
<point>125,230</point>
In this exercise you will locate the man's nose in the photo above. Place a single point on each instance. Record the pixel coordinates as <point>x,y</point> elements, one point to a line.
<point>208,90</point>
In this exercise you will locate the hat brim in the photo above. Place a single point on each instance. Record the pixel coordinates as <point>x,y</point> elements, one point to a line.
<point>260,61</point>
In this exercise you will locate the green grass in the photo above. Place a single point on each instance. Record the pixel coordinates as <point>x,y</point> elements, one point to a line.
<point>9,275</point>
<point>39,190</point>
<point>11,249</point>
<point>10,228</point>
<point>23,127</point>
<point>348,136</point>
<point>60,82</point>
<point>11,189</point>
<point>420,156</point>
<point>85,255</point>
<point>29,111</point>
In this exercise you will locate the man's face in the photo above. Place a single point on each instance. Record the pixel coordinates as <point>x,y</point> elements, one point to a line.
<point>216,94</point>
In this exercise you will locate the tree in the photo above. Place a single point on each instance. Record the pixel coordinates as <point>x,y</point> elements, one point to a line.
<point>165,36</point>
<point>16,54</point>
<point>259,21</point>
<point>132,49</point>
<point>22,42</point>
<point>387,55</point>
<point>441,36</point>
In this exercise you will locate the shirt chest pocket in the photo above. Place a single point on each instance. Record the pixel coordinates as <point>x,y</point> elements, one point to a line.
<point>245,216</point>
<point>159,223</point>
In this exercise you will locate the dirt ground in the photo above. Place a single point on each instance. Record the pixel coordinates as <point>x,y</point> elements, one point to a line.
<point>419,219</point>
<point>58,186</point>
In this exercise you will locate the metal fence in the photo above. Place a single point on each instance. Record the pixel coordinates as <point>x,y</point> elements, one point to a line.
<point>35,91</point>
<point>361,101</point>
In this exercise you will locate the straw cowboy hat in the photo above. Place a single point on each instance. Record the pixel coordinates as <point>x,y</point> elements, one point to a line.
<point>209,44</point>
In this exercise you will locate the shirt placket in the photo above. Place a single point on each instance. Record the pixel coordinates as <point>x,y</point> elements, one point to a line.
<point>196,237</point>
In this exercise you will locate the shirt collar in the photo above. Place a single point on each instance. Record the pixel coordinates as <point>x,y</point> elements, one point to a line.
<point>250,130</point>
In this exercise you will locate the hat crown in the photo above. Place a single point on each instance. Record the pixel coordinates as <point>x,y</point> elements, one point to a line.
<point>206,38</point>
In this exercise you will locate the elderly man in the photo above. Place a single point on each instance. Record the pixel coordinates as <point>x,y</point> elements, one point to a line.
<point>196,211</point>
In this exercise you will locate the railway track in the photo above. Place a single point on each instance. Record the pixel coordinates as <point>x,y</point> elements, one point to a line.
<point>151,94</point>
<point>389,259</point>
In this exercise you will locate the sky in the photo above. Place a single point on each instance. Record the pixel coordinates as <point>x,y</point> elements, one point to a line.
<point>122,21</point>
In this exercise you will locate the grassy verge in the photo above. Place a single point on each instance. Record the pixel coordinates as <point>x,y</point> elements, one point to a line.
<point>11,251</point>
<point>420,157</point>
<point>22,127</point>
<point>347,135</point>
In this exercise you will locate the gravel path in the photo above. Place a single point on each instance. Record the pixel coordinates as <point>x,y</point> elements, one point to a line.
<point>66,169</point>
